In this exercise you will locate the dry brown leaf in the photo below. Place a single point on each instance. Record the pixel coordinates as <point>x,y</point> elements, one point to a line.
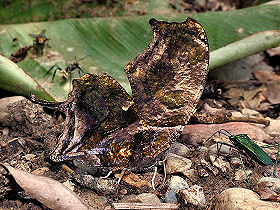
<point>272,92</point>
<point>274,51</point>
<point>49,192</point>
<point>234,93</point>
<point>268,191</point>
<point>253,98</point>
<point>265,76</point>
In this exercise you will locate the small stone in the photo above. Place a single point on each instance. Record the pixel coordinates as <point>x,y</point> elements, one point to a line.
<point>236,114</point>
<point>177,164</point>
<point>198,133</point>
<point>29,157</point>
<point>134,180</point>
<point>141,198</point>
<point>100,185</point>
<point>224,149</point>
<point>191,174</point>
<point>214,170</point>
<point>269,188</point>
<point>203,149</point>
<point>179,149</point>
<point>176,183</point>
<point>193,195</point>
<point>241,198</point>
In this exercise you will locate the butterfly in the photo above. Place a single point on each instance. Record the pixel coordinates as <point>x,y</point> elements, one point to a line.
<point>108,128</point>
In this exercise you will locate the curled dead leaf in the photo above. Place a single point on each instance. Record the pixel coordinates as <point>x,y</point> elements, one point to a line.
<point>49,192</point>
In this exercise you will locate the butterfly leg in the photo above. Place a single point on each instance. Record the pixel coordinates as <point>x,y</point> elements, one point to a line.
<point>79,154</point>
<point>105,177</point>
<point>153,179</point>
<point>51,105</point>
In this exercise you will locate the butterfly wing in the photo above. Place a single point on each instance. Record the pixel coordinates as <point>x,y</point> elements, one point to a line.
<point>168,78</point>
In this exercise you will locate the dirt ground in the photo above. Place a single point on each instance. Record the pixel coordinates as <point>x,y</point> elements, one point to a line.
<point>29,133</point>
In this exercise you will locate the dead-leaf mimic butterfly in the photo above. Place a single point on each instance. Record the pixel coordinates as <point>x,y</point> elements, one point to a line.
<point>106,126</point>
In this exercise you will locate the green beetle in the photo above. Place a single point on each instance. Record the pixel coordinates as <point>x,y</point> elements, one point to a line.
<point>243,143</point>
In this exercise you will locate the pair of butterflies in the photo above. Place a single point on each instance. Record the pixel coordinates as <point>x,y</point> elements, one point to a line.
<point>108,128</point>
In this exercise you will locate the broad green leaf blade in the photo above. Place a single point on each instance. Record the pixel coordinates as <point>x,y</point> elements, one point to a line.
<point>110,43</point>
<point>14,79</point>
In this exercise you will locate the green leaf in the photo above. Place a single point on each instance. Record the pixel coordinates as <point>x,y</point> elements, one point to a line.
<point>110,43</point>
<point>14,79</point>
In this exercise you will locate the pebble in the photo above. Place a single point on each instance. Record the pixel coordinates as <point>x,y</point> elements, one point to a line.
<point>224,149</point>
<point>235,161</point>
<point>179,149</point>
<point>40,171</point>
<point>198,133</point>
<point>100,185</point>
<point>241,198</point>
<point>219,163</point>
<point>176,183</point>
<point>177,164</point>
<point>274,134</point>
<point>193,195</point>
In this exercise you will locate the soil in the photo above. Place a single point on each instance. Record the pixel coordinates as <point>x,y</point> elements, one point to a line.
<point>29,133</point>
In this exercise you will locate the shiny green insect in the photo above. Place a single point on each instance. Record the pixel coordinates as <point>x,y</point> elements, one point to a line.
<point>243,143</point>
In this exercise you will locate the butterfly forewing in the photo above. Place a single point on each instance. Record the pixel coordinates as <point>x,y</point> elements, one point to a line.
<point>168,78</point>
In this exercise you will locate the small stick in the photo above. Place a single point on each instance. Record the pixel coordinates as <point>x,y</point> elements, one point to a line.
<point>249,119</point>
<point>169,206</point>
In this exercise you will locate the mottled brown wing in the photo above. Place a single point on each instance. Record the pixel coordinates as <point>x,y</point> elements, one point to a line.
<point>96,106</point>
<point>168,78</point>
